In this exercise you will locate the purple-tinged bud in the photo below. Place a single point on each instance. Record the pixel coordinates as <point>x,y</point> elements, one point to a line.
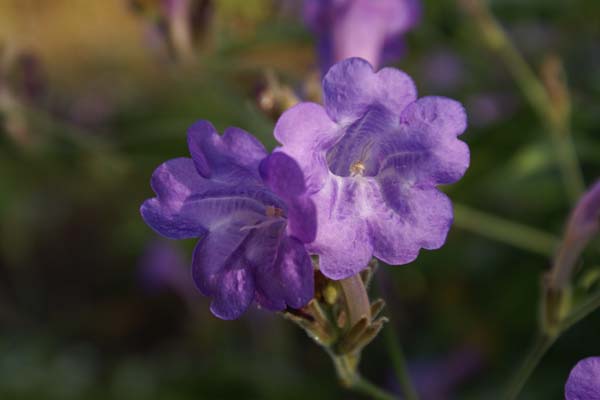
<point>582,226</point>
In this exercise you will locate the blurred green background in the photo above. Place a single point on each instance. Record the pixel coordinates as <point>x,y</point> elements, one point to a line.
<point>95,94</point>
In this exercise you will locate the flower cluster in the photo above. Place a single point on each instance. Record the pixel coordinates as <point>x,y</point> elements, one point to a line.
<point>353,179</point>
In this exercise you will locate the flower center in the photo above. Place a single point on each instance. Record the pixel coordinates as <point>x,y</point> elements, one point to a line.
<point>357,152</point>
<point>272,211</point>
<point>358,168</point>
<point>273,214</point>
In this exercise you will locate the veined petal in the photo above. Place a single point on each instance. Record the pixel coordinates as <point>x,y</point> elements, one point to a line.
<point>174,182</point>
<point>245,148</point>
<point>446,117</point>
<point>188,205</point>
<point>351,86</point>
<point>216,253</point>
<point>235,156</point>
<point>290,279</point>
<point>436,122</point>
<point>219,270</point>
<point>342,243</point>
<point>283,175</point>
<point>201,137</point>
<point>235,294</point>
<point>302,219</point>
<point>306,131</point>
<point>405,218</point>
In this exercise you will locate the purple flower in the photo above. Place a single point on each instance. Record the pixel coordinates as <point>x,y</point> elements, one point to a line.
<point>360,28</point>
<point>372,158</point>
<point>584,380</point>
<point>251,214</point>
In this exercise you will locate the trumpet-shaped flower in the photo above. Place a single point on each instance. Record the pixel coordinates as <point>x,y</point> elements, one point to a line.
<point>370,29</point>
<point>373,157</point>
<point>251,214</point>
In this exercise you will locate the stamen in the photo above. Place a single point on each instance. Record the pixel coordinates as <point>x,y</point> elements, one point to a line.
<point>273,214</point>
<point>358,168</point>
<point>272,211</point>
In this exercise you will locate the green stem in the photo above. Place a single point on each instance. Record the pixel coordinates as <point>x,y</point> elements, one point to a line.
<point>567,159</point>
<point>529,364</point>
<point>367,388</point>
<point>544,342</point>
<point>345,366</point>
<point>591,305</point>
<point>399,362</point>
<point>504,231</point>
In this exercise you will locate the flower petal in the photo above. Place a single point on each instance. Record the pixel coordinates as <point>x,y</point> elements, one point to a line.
<point>302,219</point>
<point>200,136</point>
<point>290,280</point>
<point>235,156</point>
<point>306,131</point>
<point>174,182</point>
<point>247,150</point>
<point>351,86</point>
<point>405,219</point>
<point>444,116</point>
<point>235,294</point>
<point>219,271</point>
<point>342,242</point>
<point>284,177</point>
<point>436,122</point>
<point>225,262</point>
<point>182,213</point>
<point>584,380</point>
